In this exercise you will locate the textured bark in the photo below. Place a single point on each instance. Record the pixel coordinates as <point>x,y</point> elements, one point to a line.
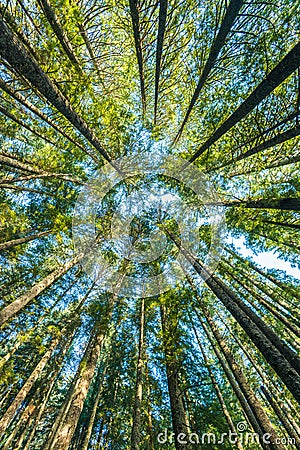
<point>226,25</point>
<point>89,429</point>
<point>136,416</point>
<point>218,391</point>
<point>283,204</point>
<point>22,394</point>
<point>13,308</point>
<point>179,419</point>
<point>87,368</point>
<point>13,243</point>
<point>256,407</point>
<point>23,100</point>
<point>282,359</point>
<point>163,6</point>
<point>294,328</point>
<point>134,12</point>
<point>280,72</point>
<point>59,31</point>
<point>14,52</point>
<point>266,275</point>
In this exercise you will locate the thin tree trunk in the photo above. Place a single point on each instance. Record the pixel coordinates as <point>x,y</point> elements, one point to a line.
<point>280,72</point>
<point>9,244</point>
<point>283,204</point>
<point>218,391</point>
<point>134,12</point>
<point>270,308</point>
<point>13,51</point>
<point>136,426</point>
<point>284,361</point>
<point>179,419</point>
<point>37,173</point>
<point>23,100</point>
<point>24,125</point>
<point>61,439</point>
<point>266,275</point>
<point>237,389</point>
<point>13,308</point>
<point>257,409</point>
<point>22,394</point>
<point>231,14</point>
<point>59,32</point>
<point>163,7</point>
<point>278,139</point>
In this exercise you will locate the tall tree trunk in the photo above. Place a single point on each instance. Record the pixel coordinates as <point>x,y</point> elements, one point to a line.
<point>24,125</point>
<point>22,394</point>
<point>13,308</point>
<point>280,72</point>
<point>13,51</point>
<point>63,435</point>
<point>281,417</point>
<point>25,102</point>
<point>92,417</point>
<point>283,204</point>
<point>9,244</point>
<point>231,14</point>
<point>59,32</point>
<point>163,7</point>
<point>237,389</point>
<point>284,361</point>
<point>136,416</point>
<point>284,287</point>
<point>134,12</point>
<point>260,415</point>
<point>218,391</point>
<point>179,419</point>
<point>288,323</point>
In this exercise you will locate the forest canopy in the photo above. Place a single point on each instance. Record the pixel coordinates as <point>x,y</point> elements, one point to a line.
<point>208,355</point>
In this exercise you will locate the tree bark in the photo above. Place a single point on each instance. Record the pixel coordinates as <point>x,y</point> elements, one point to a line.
<point>284,361</point>
<point>24,125</point>
<point>163,6</point>
<point>218,391</point>
<point>9,244</point>
<point>136,416</point>
<point>22,394</point>
<point>59,32</point>
<point>280,72</point>
<point>281,417</point>
<point>179,419</point>
<point>14,52</point>
<point>134,12</point>
<point>13,308</point>
<point>23,100</point>
<point>226,25</point>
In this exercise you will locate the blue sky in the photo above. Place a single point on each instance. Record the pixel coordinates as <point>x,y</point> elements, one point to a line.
<point>268,260</point>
